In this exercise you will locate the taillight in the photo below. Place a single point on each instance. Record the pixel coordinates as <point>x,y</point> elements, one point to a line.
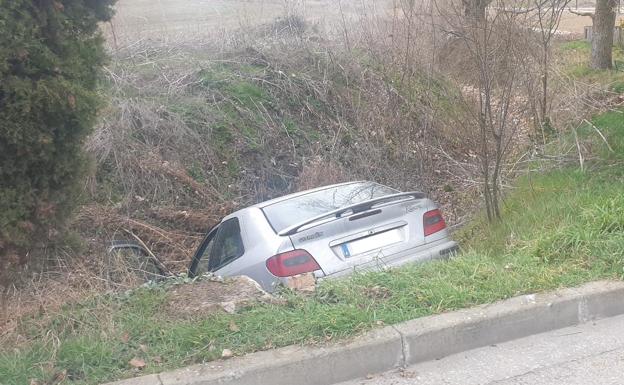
<point>433,222</point>
<point>292,263</point>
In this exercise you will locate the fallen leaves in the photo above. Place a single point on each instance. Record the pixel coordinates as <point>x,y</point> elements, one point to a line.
<point>58,6</point>
<point>407,373</point>
<point>59,377</point>
<point>378,292</point>
<point>234,327</point>
<point>137,363</point>
<point>71,100</point>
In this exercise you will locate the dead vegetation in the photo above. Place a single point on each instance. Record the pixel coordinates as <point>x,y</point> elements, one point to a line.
<point>41,296</point>
<point>190,135</point>
<point>193,131</point>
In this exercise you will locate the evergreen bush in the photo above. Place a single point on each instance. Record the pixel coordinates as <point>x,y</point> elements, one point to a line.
<point>51,52</point>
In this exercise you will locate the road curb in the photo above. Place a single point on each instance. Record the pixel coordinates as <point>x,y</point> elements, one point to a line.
<point>419,340</point>
<point>438,336</point>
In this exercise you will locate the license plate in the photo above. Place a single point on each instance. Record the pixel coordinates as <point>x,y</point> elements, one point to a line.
<point>373,242</point>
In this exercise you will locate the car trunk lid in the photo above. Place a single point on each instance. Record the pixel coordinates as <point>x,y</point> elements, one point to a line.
<point>370,232</point>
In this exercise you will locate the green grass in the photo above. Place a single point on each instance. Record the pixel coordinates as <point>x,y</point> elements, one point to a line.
<point>576,45</point>
<point>561,228</point>
<point>613,122</point>
<point>575,58</point>
<point>244,111</point>
<point>196,172</point>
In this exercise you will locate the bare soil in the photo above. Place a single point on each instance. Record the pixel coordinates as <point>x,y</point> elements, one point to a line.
<point>210,296</point>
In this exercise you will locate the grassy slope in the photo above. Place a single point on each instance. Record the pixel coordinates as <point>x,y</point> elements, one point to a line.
<point>575,56</point>
<point>562,228</point>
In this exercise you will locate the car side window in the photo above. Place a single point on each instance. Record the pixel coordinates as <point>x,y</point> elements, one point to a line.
<point>204,258</point>
<point>199,263</point>
<point>226,246</point>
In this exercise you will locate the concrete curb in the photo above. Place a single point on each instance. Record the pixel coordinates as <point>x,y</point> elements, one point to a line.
<point>411,342</point>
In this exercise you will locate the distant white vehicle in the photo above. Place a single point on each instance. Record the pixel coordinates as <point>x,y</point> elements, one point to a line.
<point>327,232</point>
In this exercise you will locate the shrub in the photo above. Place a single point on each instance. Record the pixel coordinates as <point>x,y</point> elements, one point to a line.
<point>50,59</point>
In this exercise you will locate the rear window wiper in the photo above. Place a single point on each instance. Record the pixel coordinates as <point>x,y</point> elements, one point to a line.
<point>353,209</point>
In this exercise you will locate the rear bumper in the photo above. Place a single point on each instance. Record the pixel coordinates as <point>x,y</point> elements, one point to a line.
<point>450,249</point>
<point>440,249</point>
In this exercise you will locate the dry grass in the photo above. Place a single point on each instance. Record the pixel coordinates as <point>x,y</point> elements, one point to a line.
<point>43,295</point>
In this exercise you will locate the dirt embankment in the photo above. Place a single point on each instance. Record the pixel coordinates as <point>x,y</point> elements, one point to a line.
<point>212,295</point>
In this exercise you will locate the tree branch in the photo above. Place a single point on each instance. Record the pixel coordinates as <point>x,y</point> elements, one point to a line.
<point>590,14</point>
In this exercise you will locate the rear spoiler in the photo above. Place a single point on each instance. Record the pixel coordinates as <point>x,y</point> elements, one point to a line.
<point>356,208</point>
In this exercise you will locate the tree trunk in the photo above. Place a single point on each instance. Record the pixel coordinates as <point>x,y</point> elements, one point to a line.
<point>544,101</point>
<point>475,9</point>
<point>602,34</point>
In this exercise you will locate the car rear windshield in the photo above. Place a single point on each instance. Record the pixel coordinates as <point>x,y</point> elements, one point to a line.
<point>289,212</point>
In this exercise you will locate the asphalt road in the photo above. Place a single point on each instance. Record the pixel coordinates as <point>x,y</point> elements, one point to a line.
<point>591,353</point>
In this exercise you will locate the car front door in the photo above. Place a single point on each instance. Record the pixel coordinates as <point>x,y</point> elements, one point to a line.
<point>228,245</point>
<point>221,246</point>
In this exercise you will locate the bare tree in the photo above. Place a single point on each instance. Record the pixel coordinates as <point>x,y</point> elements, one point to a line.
<point>548,15</point>
<point>493,60</point>
<point>603,26</point>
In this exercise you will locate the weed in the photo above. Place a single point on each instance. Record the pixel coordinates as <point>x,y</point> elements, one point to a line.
<point>247,94</point>
<point>196,172</point>
<point>618,87</point>
<point>576,45</point>
<point>575,54</point>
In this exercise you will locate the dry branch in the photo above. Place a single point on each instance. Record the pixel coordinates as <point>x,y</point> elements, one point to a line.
<point>153,257</point>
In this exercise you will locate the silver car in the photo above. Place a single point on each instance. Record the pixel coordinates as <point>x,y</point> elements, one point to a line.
<point>323,233</point>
